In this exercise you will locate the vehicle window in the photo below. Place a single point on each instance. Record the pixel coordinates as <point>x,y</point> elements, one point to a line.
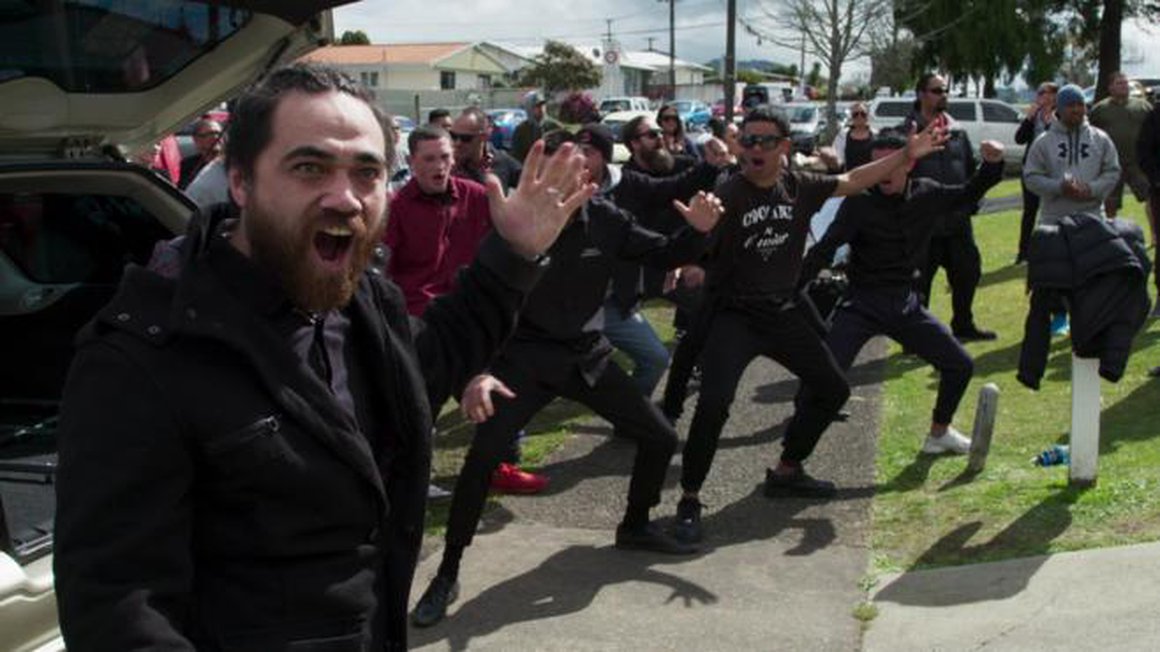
<point>58,238</point>
<point>611,106</point>
<point>682,107</point>
<point>109,46</point>
<point>999,113</point>
<point>963,111</point>
<point>892,110</point>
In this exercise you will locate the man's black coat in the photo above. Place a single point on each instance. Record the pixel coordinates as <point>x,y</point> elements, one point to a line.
<point>212,492</point>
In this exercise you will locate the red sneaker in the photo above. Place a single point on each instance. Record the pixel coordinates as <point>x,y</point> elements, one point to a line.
<point>511,479</point>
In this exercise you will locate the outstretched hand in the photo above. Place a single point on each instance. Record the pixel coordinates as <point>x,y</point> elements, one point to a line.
<point>476,404</point>
<point>929,140</point>
<point>550,191</point>
<point>703,212</point>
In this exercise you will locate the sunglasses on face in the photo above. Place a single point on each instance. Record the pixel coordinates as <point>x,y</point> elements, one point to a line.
<point>208,134</point>
<point>937,91</point>
<point>767,141</point>
<point>858,114</point>
<point>462,138</point>
<point>668,117</point>
<point>651,133</point>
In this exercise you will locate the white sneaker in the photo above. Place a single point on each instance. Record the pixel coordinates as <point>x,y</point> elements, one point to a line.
<point>953,442</point>
<point>435,492</point>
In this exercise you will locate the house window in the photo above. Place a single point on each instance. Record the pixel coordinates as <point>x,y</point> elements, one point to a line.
<point>484,82</point>
<point>447,80</point>
<point>369,79</point>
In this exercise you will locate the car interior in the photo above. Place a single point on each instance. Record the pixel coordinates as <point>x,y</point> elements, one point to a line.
<point>62,253</point>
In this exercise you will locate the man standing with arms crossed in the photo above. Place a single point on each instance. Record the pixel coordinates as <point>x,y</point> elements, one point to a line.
<point>953,246</point>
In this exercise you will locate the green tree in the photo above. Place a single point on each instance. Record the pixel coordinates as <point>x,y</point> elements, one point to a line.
<point>357,37</point>
<point>561,68</point>
<point>749,77</point>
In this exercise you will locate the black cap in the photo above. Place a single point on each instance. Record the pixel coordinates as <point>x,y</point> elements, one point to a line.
<point>598,136</point>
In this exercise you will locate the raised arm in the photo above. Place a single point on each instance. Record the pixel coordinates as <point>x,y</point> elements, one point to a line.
<point>920,144</point>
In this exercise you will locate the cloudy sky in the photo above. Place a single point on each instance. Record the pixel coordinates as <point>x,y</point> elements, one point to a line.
<point>700,26</point>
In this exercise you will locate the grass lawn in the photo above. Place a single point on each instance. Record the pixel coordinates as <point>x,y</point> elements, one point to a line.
<point>927,513</point>
<point>1006,188</point>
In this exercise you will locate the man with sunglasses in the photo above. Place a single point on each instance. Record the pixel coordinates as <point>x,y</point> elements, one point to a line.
<point>645,186</point>
<point>207,138</point>
<point>475,157</point>
<point>953,246</point>
<point>754,309</point>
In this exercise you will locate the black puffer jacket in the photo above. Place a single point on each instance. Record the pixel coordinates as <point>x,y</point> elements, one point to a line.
<point>1098,269</point>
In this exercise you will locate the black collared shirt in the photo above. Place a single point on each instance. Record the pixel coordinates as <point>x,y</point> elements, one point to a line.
<point>322,341</point>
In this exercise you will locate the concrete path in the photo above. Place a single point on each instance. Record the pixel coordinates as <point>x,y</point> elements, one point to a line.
<point>1097,600</point>
<point>774,575</point>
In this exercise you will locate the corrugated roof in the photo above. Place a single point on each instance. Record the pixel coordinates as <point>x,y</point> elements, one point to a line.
<point>423,53</point>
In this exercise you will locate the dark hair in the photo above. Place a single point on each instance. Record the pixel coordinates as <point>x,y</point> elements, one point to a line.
<point>717,127</point>
<point>477,113</point>
<point>556,138</point>
<point>680,123</point>
<point>889,139</point>
<point>253,115</point>
<point>1051,87</point>
<point>425,132</point>
<point>923,80</point>
<point>766,113</point>
<point>437,114</point>
<point>628,131</point>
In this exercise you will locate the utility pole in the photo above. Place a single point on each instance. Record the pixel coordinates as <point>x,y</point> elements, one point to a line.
<point>730,58</point>
<point>672,48</point>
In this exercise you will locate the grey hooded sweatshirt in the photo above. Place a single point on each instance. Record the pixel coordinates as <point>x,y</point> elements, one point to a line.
<point>1086,153</point>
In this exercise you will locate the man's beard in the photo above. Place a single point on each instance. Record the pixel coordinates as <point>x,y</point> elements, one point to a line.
<point>659,160</point>
<point>289,256</point>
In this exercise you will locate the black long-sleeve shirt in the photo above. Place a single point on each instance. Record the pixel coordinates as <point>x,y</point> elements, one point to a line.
<point>566,306</point>
<point>889,234</point>
<point>650,199</point>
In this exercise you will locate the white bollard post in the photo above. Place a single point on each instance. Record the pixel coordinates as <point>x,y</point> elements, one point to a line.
<point>985,413</point>
<point>1085,421</point>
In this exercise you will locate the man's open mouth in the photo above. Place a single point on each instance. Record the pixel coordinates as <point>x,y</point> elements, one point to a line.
<point>333,243</point>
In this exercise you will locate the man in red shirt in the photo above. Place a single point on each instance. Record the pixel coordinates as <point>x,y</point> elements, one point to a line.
<point>434,226</point>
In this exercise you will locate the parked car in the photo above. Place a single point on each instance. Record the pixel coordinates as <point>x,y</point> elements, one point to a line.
<point>403,124</point>
<point>615,104</point>
<point>503,125</point>
<point>982,119</point>
<point>718,109</point>
<point>805,124</point>
<point>766,93</point>
<point>693,114</point>
<point>73,214</point>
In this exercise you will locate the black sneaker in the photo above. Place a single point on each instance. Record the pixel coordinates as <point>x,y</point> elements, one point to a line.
<point>650,538</point>
<point>797,485</point>
<point>975,334</point>
<point>688,527</point>
<point>432,607</point>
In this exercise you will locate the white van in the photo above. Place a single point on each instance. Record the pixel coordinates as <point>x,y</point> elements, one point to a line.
<point>982,119</point>
<point>614,104</point>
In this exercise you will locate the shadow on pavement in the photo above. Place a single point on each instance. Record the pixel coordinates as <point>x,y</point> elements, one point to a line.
<point>565,583</point>
<point>1029,535</point>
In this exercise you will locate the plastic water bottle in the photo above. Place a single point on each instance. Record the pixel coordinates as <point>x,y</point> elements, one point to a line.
<point>1057,454</point>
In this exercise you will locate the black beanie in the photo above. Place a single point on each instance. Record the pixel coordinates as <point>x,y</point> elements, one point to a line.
<point>598,136</point>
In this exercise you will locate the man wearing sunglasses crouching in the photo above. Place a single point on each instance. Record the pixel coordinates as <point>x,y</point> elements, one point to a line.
<point>753,269</point>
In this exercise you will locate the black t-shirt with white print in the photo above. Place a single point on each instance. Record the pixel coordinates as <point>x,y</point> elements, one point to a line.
<point>762,235</point>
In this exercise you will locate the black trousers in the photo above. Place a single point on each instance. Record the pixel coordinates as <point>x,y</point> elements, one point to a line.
<point>959,256</point>
<point>537,378</point>
<point>898,314</point>
<point>735,339</point>
<point>1027,225</point>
